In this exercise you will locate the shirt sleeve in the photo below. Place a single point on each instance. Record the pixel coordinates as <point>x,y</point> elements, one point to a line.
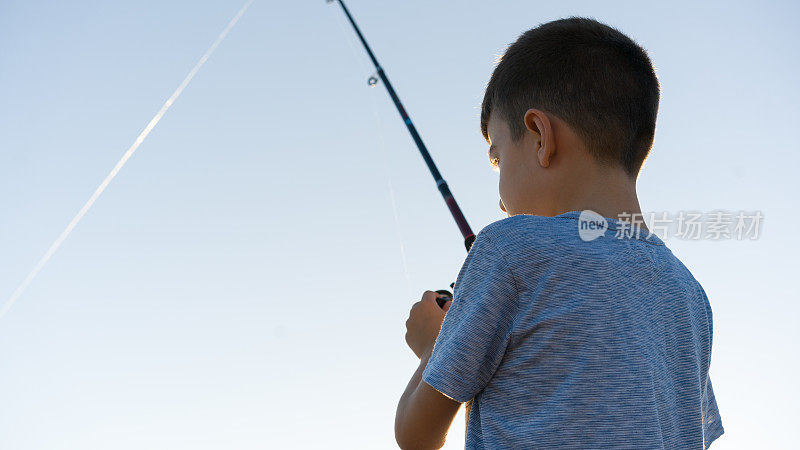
<point>477,327</point>
<point>712,422</point>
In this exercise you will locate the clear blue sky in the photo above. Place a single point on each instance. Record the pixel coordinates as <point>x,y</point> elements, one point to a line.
<point>240,284</point>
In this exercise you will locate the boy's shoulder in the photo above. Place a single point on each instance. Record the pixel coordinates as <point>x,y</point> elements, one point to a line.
<point>561,240</point>
<point>570,228</point>
<point>528,231</point>
<point>510,227</point>
<point>515,241</point>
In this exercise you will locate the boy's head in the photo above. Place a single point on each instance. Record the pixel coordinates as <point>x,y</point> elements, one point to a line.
<point>570,100</point>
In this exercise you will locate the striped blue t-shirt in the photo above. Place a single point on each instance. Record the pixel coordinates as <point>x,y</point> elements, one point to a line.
<point>561,342</point>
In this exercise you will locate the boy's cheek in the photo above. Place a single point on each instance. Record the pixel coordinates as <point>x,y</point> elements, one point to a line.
<point>502,184</point>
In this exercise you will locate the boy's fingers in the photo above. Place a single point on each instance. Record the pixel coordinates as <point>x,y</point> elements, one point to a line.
<point>429,295</point>
<point>433,298</point>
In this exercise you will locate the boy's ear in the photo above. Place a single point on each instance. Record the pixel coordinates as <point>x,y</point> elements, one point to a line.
<point>537,122</point>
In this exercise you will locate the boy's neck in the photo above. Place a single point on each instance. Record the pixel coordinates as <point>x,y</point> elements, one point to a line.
<point>608,191</point>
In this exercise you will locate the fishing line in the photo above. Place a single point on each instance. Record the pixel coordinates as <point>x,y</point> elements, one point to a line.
<point>386,166</point>
<point>125,157</point>
<point>388,173</point>
<point>441,184</point>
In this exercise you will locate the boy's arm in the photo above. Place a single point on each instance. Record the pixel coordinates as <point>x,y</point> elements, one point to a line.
<point>424,414</point>
<point>460,345</point>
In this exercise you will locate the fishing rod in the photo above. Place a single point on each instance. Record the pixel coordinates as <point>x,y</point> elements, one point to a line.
<point>458,216</point>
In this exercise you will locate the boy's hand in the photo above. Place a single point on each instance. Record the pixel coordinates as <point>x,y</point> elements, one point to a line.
<point>424,322</point>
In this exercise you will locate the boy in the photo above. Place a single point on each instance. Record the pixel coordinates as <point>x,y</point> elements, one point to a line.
<point>553,340</point>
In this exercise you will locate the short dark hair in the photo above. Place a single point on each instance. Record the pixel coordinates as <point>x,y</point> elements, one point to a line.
<point>592,76</point>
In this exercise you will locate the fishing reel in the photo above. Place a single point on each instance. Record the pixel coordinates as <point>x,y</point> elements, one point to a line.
<point>444,296</point>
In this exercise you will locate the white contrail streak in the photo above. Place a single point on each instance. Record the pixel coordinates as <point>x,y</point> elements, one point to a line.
<point>15,295</point>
